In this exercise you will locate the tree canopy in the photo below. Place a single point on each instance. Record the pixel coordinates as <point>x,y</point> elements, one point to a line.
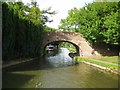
<point>22,29</point>
<point>97,22</point>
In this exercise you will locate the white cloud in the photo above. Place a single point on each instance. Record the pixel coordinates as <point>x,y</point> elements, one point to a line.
<point>61,6</point>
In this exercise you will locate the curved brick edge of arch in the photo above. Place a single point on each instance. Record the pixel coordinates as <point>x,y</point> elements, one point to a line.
<point>76,38</point>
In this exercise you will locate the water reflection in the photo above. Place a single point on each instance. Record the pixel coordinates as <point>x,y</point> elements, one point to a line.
<point>38,74</point>
<point>61,58</point>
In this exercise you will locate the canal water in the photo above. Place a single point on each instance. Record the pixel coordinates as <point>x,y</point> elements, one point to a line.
<point>58,71</point>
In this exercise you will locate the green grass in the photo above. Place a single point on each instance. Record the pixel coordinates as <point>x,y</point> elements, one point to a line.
<point>98,63</point>
<point>111,59</point>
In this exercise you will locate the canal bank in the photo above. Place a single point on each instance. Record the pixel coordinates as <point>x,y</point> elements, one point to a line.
<point>101,65</point>
<point>57,71</point>
<point>14,63</point>
<point>33,75</point>
<point>95,63</point>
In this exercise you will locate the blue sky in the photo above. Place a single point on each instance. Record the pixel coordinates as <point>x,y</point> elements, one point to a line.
<point>61,6</point>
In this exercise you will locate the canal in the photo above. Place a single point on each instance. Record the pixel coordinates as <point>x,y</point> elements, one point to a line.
<point>58,71</point>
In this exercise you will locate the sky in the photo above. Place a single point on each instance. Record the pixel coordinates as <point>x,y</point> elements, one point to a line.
<point>61,6</point>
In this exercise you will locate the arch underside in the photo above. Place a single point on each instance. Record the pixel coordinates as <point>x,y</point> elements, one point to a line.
<point>58,41</point>
<point>83,48</point>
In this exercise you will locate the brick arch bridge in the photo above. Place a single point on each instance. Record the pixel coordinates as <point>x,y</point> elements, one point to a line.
<point>83,48</point>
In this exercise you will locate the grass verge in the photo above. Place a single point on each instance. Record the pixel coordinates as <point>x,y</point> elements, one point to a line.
<point>111,59</point>
<point>79,59</point>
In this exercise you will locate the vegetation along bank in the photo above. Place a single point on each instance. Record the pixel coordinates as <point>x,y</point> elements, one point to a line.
<point>102,63</point>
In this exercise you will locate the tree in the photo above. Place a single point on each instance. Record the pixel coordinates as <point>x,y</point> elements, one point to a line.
<point>97,22</point>
<point>22,30</point>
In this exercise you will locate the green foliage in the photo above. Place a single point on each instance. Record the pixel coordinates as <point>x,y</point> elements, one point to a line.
<point>111,59</point>
<point>97,62</point>
<point>48,29</point>
<point>98,22</point>
<point>69,46</point>
<point>22,30</point>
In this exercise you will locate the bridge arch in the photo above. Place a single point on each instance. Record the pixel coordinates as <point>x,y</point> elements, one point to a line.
<point>54,42</point>
<point>82,46</point>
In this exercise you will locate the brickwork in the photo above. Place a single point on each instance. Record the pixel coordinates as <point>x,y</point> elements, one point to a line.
<point>76,38</point>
